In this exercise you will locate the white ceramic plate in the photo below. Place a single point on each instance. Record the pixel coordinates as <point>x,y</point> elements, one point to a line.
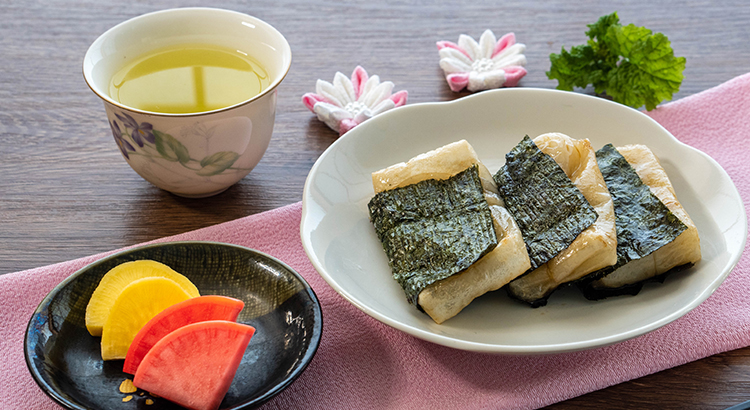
<point>342,245</point>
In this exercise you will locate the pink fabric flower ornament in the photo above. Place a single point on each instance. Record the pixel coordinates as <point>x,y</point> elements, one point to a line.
<point>348,102</point>
<point>485,65</point>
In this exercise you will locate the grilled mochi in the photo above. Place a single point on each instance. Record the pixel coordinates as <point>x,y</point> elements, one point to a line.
<point>593,246</point>
<point>655,234</point>
<point>445,230</point>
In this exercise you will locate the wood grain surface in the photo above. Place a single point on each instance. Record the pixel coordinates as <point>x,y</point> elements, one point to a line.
<point>66,192</point>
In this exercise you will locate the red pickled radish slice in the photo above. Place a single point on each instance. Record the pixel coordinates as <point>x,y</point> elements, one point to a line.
<point>194,365</point>
<point>193,310</point>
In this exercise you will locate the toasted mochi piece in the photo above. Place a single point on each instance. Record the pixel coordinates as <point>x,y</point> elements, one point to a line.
<point>509,259</point>
<point>595,247</point>
<point>684,250</point>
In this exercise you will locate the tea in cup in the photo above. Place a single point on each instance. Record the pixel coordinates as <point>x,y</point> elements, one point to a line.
<point>190,94</point>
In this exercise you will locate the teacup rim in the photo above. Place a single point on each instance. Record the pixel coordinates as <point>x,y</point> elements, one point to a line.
<point>270,89</point>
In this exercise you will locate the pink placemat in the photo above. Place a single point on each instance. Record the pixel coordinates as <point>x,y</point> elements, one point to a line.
<point>363,364</point>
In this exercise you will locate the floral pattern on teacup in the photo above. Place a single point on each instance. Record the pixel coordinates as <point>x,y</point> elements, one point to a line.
<point>153,144</point>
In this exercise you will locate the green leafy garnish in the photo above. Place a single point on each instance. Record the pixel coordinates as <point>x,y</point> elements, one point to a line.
<point>631,64</point>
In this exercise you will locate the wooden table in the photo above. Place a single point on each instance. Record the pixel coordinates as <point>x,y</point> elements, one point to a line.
<point>66,192</point>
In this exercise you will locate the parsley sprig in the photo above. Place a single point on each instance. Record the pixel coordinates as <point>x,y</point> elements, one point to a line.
<point>631,64</point>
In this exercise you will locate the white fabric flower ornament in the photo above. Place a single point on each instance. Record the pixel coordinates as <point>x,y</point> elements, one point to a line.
<point>348,102</point>
<point>485,65</point>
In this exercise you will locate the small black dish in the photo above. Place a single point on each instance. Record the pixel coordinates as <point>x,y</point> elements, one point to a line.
<point>64,359</point>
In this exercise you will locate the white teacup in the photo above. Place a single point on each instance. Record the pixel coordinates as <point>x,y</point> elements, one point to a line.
<point>195,154</point>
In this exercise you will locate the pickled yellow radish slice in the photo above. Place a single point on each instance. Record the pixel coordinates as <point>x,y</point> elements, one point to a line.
<point>140,301</point>
<point>114,281</point>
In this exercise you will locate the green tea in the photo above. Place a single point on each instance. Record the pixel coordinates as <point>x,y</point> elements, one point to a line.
<point>188,78</point>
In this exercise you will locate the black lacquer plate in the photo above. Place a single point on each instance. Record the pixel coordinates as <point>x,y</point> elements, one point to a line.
<point>64,359</point>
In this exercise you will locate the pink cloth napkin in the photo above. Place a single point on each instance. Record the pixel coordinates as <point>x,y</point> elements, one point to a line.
<point>363,364</point>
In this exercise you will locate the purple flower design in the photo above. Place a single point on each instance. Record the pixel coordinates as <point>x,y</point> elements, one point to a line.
<point>121,143</point>
<point>140,131</point>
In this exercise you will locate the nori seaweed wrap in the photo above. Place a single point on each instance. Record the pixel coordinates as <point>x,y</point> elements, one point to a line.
<point>588,243</point>
<point>548,208</point>
<point>444,298</point>
<point>433,229</point>
<point>644,225</point>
